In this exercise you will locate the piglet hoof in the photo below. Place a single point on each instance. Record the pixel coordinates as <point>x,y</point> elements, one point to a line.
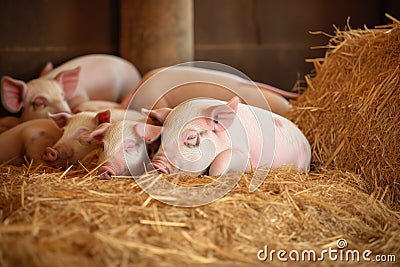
<point>160,166</point>
<point>50,154</point>
<point>106,173</point>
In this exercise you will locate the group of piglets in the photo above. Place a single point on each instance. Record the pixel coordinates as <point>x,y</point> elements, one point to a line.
<point>184,118</point>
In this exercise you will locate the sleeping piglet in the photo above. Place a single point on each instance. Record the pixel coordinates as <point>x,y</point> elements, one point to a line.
<point>69,149</point>
<point>221,137</point>
<point>29,138</point>
<point>125,147</point>
<point>90,77</point>
<point>168,87</point>
<point>96,105</point>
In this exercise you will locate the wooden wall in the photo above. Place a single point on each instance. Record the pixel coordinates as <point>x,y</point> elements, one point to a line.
<point>269,40</point>
<point>36,31</point>
<point>33,32</point>
<point>266,39</point>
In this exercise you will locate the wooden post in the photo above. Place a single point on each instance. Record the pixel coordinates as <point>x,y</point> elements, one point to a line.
<point>156,33</point>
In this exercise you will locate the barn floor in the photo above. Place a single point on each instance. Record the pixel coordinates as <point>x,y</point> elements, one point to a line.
<point>55,218</point>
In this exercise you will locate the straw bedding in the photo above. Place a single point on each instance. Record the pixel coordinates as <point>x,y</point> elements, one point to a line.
<point>70,218</point>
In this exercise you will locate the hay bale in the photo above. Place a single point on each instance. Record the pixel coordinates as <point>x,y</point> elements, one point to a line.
<point>350,111</point>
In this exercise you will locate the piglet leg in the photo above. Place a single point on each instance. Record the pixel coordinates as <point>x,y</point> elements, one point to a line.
<point>229,161</point>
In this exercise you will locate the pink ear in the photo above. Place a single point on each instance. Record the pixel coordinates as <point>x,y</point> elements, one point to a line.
<point>94,134</point>
<point>61,118</point>
<point>224,115</point>
<point>13,92</point>
<point>49,67</point>
<point>157,115</point>
<point>148,132</point>
<point>69,81</point>
<point>103,117</point>
<point>233,103</point>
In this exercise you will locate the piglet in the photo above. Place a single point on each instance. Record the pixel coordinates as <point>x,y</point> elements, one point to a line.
<point>8,122</point>
<point>168,87</point>
<point>207,134</point>
<point>90,77</point>
<point>125,147</point>
<point>30,139</point>
<point>97,105</point>
<point>69,149</point>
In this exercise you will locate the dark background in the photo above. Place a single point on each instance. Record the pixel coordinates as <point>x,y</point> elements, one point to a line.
<point>266,39</point>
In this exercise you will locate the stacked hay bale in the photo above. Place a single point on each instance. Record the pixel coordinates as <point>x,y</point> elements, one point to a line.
<point>350,111</point>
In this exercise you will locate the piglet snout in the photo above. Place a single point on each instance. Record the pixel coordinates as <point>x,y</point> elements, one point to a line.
<point>106,173</point>
<point>50,154</point>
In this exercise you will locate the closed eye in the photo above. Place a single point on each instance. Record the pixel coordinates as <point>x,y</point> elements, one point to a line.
<point>192,141</point>
<point>192,137</point>
<point>129,145</point>
<point>39,103</point>
<point>79,132</point>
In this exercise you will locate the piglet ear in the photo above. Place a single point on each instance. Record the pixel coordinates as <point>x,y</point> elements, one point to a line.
<point>158,116</point>
<point>61,118</point>
<point>96,134</point>
<point>224,115</point>
<point>13,92</point>
<point>103,117</point>
<point>148,132</point>
<point>69,81</point>
<point>49,67</point>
